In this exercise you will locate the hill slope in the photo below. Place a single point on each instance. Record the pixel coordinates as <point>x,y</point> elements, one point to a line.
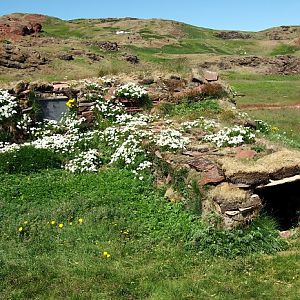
<point>34,45</point>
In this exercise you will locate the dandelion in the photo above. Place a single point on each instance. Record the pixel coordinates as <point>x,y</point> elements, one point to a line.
<point>20,229</point>
<point>52,222</point>
<point>106,254</point>
<point>61,225</point>
<point>80,221</point>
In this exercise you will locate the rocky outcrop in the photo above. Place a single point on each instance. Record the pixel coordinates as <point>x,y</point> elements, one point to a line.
<point>233,35</point>
<point>234,205</point>
<point>65,56</point>
<point>281,64</point>
<point>275,166</point>
<point>21,25</point>
<point>107,46</point>
<point>133,59</point>
<point>14,57</point>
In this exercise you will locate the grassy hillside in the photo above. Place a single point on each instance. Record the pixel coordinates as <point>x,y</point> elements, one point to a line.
<point>120,240</point>
<point>158,43</point>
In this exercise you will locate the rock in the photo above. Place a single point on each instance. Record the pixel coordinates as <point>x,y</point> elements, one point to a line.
<point>42,87</point>
<point>20,87</point>
<point>107,46</point>
<point>281,64</point>
<point>250,124</point>
<point>274,166</point>
<point>19,28</point>
<point>37,27</point>
<point>65,56</point>
<point>245,153</point>
<point>287,234</point>
<point>197,76</point>
<point>235,206</point>
<point>60,86</point>
<point>172,195</point>
<point>210,172</point>
<point>175,77</point>
<point>88,115</point>
<point>94,57</point>
<point>210,76</point>
<point>147,81</point>
<point>232,35</point>
<point>133,59</point>
<point>14,57</point>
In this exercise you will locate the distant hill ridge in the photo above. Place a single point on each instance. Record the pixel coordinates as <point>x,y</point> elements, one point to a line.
<point>88,47</point>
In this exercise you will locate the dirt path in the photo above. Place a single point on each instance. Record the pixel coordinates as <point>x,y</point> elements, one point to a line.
<point>268,107</point>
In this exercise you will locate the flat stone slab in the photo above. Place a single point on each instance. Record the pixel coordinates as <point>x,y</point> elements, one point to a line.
<point>210,76</point>
<point>275,166</point>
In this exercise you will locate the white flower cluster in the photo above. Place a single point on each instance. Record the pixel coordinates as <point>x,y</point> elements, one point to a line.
<point>243,115</point>
<point>8,105</point>
<point>142,167</point>
<point>131,91</point>
<point>203,123</point>
<point>24,123</point>
<point>127,151</point>
<point>7,147</point>
<point>231,137</point>
<point>85,162</point>
<point>108,109</point>
<point>124,141</point>
<point>94,86</point>
<point>263,126</point>
<point>171,139</point>
<point>108,81</point>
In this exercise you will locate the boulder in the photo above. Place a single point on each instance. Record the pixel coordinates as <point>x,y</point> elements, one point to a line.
<point>235,206</point>
<point>133,59</point>
<point>210,76</point>
<point>65,56</point>
<point>197,76</point>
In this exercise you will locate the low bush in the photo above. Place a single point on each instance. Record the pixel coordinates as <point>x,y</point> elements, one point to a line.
<point>260,237</point>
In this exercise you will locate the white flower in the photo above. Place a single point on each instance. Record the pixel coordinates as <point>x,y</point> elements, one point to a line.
<point>8,105</point>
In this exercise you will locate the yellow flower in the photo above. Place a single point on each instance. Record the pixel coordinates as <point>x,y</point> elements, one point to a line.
<point>52,222</point>
<point>70,103</point>
<point>20,229</point>
<point>80,221</point>
<point>106,254</point>
<point>25,222</point>
<point>61,225</point>
<point>275,129</point>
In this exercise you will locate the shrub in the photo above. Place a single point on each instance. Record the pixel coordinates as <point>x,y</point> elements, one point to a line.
<point>260,237</point>
<point>213,90</point>
<point>207,91</point>
<point>28,159</point>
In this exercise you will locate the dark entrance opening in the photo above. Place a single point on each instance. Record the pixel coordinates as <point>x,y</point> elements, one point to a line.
<point>282,202</point>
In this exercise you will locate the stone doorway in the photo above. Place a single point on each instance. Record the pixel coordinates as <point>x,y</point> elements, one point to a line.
<point>281,200</point>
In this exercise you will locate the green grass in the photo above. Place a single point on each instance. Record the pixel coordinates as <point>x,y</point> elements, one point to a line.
<point>270,90</point>
<point>145,236</point>
<point>285,49</point>
<point>287,120</point>
<point>265,89</point>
